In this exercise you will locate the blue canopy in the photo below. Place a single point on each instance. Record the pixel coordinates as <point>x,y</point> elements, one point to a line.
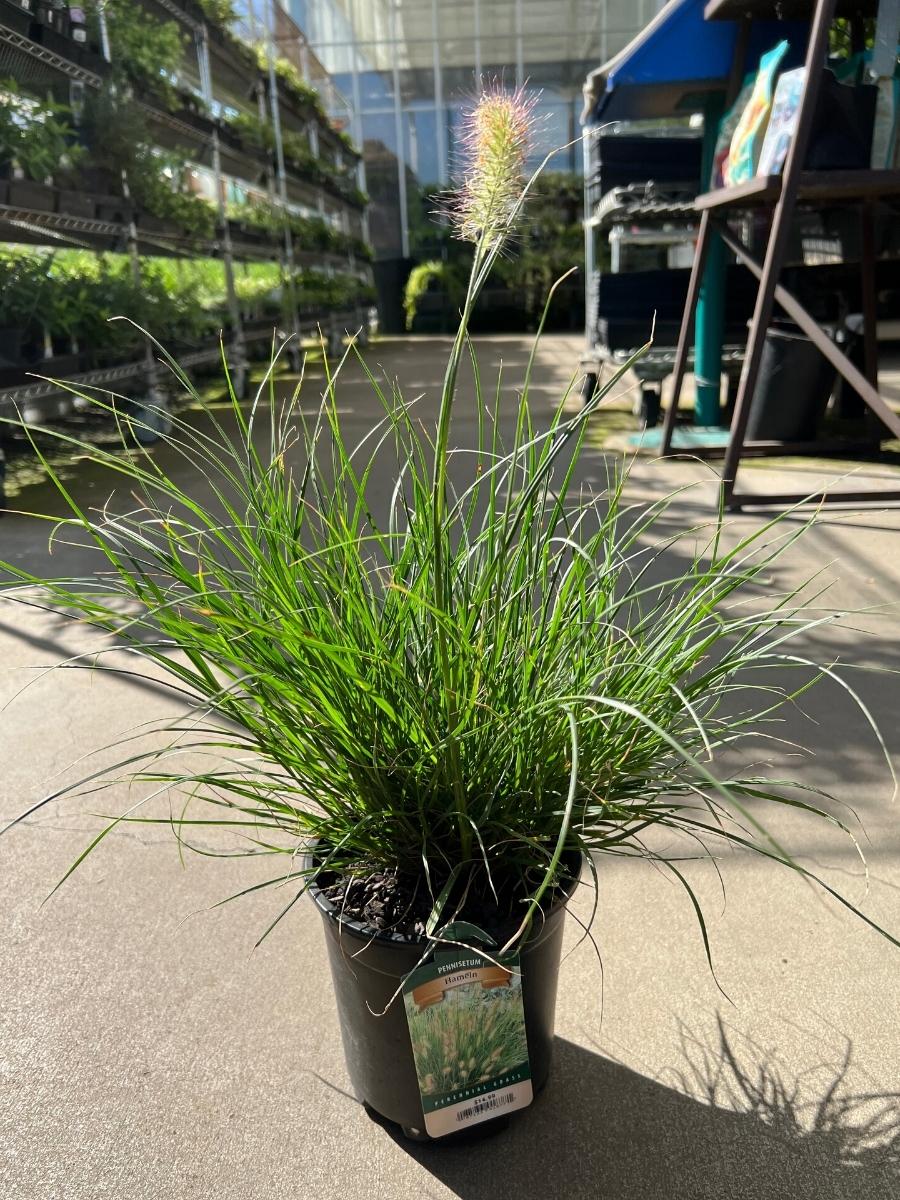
<point>676,61</point>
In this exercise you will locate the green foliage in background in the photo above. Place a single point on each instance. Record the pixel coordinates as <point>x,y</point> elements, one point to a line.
<point>298,155</point>
<point>158,184</point>
<point>550,241</point>
<point>222,12</point>
<point>548,244</point>
<point>26,288</point>
<point>347,141</point>
<point>73,293</point>
<point>296,87</point>
<point>310,233</point>
<point>449,277</point>
<point>147,54</point>
<point>119,139</point>
<point>37,135</point>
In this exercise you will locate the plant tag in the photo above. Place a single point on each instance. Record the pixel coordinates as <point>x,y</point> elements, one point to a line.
<point>467,1029</point>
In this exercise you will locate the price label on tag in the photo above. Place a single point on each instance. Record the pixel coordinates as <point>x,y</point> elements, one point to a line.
<point>467,1029</point>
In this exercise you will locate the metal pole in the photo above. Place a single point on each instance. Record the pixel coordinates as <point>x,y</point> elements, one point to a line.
<point>439,118</point>
<point>709,330</point>
<point>710,323</point>
<point>239,358</point>
<point>154,394</point>
<point>104,32</point>
<point>477,32</point>
<point>398,134</point>
<point>358,128</point>
<point>520,59</point>
<point>684,335</point>
<point>777,244</point>
<point>869,293</point>
<point>589,259</point>
<point>288,262</point>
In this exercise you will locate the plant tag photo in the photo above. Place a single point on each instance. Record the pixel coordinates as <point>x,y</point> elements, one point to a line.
<point>467,1028</point>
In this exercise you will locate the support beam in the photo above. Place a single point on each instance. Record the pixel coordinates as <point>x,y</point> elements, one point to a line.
<point>778,240</point>
<point>687,324</point>
<point>817,336</point>
<point>709,331</point>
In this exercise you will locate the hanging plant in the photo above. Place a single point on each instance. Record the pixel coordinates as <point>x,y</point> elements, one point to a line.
<point>449,276</point>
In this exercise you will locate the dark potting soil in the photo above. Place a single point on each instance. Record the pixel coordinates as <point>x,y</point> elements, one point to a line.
<point>392,901</point>
<point>385,900</point>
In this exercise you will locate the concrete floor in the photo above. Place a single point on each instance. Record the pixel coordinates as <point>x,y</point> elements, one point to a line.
<point>148,1053</point>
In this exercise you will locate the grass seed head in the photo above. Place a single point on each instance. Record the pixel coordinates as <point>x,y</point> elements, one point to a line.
<point>497,136</point>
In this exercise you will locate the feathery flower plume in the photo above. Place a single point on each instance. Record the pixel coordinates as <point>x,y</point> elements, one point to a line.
<point>496,140</point>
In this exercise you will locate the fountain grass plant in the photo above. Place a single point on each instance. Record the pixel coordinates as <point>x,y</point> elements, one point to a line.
<point>497,674</point>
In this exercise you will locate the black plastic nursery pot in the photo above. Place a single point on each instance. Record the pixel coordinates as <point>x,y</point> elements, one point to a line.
<point>11,338</point>
<point>76,204</point>
<point>792,391</point>
<point>368,967</point>
<point>25,193</point>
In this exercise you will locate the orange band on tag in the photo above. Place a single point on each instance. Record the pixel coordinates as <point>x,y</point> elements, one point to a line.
<point>433,991</point>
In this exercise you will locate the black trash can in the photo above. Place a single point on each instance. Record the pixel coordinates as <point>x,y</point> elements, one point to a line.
<point>792,390</point>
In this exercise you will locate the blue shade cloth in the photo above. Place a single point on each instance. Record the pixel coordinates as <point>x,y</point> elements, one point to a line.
<point>677,60</point>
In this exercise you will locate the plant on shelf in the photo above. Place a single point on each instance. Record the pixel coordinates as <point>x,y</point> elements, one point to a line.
<point>361,248</point>
<point>157,185</point>
<point>355,195</point>
<point>298,157</point>
<point>35,135</point>
<point>347,141</point>
<point>296,87</point>
<point>310,233</point>
<point>320,293</point>
<point>147,54</point>
<point>119,144</point>
<point>112,129</point>
<point>268,217</point>
<point>298,154</point>
<point>249,128</point>
<point>71,294</point>
<point>23,298</point>
<point>439,685</point>
<point>63,295</point>
<point>222,12</point>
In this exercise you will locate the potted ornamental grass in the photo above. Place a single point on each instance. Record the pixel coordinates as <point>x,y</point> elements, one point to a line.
<point>442,701</point>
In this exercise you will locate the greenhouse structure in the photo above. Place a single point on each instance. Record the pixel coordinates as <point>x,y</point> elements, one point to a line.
<point>173,160</point>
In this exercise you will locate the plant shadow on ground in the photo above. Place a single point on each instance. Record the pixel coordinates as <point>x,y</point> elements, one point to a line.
<point>732,1123</point>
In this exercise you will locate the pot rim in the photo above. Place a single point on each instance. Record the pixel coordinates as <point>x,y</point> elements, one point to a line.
<point>371,934</point>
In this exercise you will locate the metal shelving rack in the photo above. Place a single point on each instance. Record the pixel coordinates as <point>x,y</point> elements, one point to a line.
<point>226,73</point>
<point>782,195</point>
<point>654,210</point>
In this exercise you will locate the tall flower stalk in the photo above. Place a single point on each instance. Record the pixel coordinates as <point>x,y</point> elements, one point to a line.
<point>496,140</point>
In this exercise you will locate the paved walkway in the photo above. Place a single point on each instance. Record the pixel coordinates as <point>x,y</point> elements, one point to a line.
<point>147,1053</point>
